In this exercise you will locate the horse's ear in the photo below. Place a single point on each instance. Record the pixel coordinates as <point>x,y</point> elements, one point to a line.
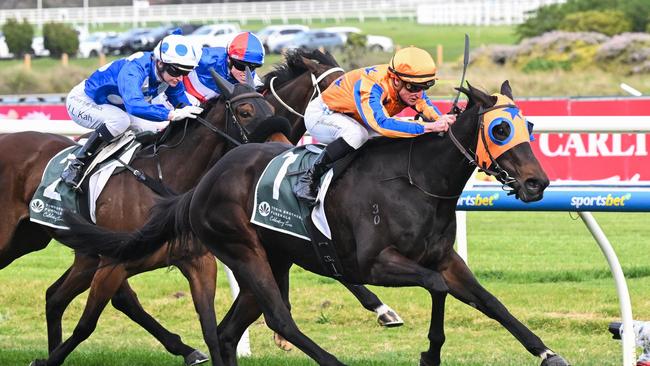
<point>506,89</point>
<point>467,92</point>
<point>227,89</point>
<point>310,64</point>
<point>481,97</point>
<point>249,78</point>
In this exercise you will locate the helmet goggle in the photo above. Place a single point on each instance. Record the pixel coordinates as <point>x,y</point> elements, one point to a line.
<point>241,65</point>
<point>174,70</point>
<point>418,87</point>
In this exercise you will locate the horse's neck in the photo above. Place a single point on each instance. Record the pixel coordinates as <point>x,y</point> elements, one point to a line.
<point>183,165</point>
<point>296,94</point>
<point>440,165</point>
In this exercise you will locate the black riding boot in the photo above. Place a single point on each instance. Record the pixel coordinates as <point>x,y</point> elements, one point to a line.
<point>306,187</point>
<point>73,173</point>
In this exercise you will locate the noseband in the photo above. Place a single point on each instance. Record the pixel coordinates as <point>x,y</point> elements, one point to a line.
<point>498,172</point>
<point>315,83</point>
<point>230,114</point>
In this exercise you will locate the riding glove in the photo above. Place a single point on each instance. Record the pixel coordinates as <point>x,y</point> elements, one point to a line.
<point>186,112</point>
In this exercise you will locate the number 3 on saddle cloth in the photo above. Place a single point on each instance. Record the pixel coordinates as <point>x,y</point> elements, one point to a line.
<point>277,208</point>
<point>53,196</point>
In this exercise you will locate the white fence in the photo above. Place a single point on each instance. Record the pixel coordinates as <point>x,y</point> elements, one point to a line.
<point>472,12</point>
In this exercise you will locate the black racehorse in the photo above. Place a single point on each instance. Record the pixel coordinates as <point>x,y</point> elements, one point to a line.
<point>195,148</point>
<point>392,216</point>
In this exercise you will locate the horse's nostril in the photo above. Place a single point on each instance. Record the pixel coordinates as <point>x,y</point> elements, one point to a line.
<point>533,185</point>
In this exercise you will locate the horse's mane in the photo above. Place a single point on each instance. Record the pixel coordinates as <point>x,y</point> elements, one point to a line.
<point>293,66</point>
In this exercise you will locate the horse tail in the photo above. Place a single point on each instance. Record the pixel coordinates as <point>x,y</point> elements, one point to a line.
<point>167,222</point>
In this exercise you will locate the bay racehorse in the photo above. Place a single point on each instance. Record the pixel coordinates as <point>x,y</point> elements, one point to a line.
<point>391,213</point>
<point>188,152</point>
<point>30,237</point>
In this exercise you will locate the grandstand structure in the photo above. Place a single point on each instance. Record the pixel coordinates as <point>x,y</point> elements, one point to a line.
<point>469,12</point>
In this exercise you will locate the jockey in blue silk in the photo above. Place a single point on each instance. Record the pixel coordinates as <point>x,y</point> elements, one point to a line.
<point>245,49</point>
<point>118,96</point>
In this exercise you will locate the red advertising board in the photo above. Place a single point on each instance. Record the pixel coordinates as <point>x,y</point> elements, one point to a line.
<point>588,157</point>
<point>568,156</point>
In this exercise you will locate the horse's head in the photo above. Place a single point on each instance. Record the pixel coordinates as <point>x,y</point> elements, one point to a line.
<point>503,146</point>
<point>248,110</point>
<point>291,85</point>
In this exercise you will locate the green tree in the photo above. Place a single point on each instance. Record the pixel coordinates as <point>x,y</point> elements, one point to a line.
<point>18,36</point>
<point>609,22</point>
<point>60,38</point>
<point>549,17</point>
<point>638,12</point>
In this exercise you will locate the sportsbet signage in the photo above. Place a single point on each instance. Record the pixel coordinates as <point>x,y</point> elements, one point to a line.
<point>558,198</point>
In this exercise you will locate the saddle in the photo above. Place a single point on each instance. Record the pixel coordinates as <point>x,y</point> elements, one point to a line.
<point>277,208</point>
<point>53,196</point>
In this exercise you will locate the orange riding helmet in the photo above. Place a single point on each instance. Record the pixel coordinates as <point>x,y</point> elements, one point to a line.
<point>413,65</point>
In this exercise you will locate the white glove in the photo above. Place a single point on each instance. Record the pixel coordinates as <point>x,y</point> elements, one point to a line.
<point>186,112</point>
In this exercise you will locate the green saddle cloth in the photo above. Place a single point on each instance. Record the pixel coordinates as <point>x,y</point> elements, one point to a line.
<point>275,206</point>
<point>52,195</point>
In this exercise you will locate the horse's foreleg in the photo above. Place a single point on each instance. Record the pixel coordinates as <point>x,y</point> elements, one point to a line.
<point>393,269</point>
<point>105,283</point>
<point>58,296</point>
<point>283,285</point>
<point>243,312</point>
<point>464,286</point>
<point>386,316</point>
<point>436,333</point>
<point>126,301</point>
<point>201,273</point>
<point>255,273</point>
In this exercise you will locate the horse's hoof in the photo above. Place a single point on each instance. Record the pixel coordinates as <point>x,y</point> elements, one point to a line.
<point>195,358</point>
<point>555,360</point>
<point>425,361</point>
<point>282,343</point>
<point>390,319</point>
<point>38,363</point>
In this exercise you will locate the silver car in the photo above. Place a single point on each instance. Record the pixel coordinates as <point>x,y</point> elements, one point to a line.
<point>313,39</point>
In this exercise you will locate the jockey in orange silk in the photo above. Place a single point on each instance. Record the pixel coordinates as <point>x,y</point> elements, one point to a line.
<point>363,103</point>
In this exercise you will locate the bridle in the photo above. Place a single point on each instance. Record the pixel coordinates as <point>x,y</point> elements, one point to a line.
<point>498,172</point>
<point>315,85</point>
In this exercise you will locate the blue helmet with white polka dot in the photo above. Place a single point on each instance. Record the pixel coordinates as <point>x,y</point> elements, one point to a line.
<point>179,51</point>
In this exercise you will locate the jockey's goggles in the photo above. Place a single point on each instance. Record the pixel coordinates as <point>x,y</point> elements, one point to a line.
<point>175,71</point>
<point>417,87</point>
<point>241,65</point>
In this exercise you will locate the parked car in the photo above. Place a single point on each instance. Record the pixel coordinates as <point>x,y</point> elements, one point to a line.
<point>313,39</point>
<point>149,40</point>
<point>91,46</point>
<point>373,42</point>
<point>121,45</point>
<point>38,47</point>
<point>273,35</point>
<point>4,49</point>
<point>214,35</point>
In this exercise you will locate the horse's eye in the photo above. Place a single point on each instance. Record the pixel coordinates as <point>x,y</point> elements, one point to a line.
<point>245,114</point>
<point>500,131</point>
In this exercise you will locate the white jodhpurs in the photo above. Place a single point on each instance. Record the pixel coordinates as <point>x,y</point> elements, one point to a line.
<point>85,112</point>
<point>326,126</point>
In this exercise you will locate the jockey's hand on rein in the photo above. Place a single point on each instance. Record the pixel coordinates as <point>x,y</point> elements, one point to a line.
<point>186,112</point>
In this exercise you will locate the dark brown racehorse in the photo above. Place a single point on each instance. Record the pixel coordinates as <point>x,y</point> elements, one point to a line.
<point>29,237</point>
<point>392,216</point>
<point>123,204</point>
<point>305,74</point>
